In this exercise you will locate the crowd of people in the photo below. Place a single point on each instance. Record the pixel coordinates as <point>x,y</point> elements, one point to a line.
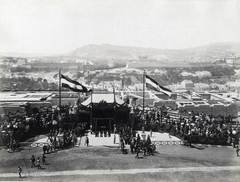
<point>20,129</point>
<point>194,127</point>
<point>137,145</point>
<point>199,128</point>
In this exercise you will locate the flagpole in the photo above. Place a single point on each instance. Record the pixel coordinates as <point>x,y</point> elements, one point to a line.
<point>91,119</point>
<point>60,90</point>
<point>60,97</point>
<point>114,106</point>
<point>143,94</point>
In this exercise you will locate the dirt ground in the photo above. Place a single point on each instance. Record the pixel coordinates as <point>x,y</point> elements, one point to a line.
<point>110,158</point>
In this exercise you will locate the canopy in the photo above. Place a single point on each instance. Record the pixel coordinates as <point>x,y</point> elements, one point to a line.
<point>97,98</point>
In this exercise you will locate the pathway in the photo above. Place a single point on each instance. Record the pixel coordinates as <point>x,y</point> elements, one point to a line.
<point>126,171</point>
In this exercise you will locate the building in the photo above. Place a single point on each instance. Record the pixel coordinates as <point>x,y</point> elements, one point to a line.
<point>111,63</point>
<point>214,86</point>
<point>201,87</point>
<point>233,86</point>
<point>203,74</point>
<point>13,104</point>
<point>142,58</point>
<point>88,65</point>
<point>187,84</point>
<point>232,60</point>
<point>176,87</point>
<point>222,88</point>
<point>186,74</point>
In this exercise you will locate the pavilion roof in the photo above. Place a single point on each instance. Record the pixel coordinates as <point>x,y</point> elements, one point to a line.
<point>96,98</point>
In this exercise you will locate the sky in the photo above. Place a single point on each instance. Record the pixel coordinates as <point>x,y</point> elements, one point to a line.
<point>61,26</point>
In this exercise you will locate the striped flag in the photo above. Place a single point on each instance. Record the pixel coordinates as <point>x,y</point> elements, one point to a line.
<point>73,85</point>
<point>152,84</point>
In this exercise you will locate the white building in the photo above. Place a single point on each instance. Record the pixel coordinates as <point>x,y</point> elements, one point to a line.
<point>232,60</point>
<point>202,74</point>
<point>201,87</point>
<point>233,86</point>
<point>187,84</point>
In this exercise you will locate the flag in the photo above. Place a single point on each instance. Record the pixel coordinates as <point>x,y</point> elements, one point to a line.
<point>152,84</point>
<point>73,85</point>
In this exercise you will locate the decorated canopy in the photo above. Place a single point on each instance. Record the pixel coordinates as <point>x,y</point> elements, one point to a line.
<point>103,98</point>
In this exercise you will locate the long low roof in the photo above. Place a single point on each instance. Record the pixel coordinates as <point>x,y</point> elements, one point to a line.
<point>23,97</point>
<point>96,98</point>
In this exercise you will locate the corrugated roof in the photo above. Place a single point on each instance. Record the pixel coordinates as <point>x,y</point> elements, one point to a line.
<point>23,97</point>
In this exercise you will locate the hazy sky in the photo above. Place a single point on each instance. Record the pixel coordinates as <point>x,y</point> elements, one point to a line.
<point>60,26</point>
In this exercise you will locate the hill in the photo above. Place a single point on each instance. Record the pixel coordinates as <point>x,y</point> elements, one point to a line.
<point>107,51</point>
<point>213,50</point>
<point>111,51</point>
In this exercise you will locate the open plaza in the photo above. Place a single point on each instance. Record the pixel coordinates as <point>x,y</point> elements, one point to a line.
<point>102,160</point>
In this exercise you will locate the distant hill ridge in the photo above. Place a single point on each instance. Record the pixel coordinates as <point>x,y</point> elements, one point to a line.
<point>103,51</point>
<point>114,51</point>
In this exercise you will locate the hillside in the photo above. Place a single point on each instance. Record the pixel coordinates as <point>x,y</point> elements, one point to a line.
<point>113,51</point>
<point>107,51</point>
<point>213,50</point>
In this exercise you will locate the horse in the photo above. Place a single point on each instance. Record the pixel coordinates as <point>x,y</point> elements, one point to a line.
<point>151,148</point>
<point>148,148</point>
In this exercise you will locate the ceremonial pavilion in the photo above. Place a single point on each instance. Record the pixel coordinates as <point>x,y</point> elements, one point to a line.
<point>104,111</point>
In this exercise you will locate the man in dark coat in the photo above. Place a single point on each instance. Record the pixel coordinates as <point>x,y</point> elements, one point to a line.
<point>33,161</point>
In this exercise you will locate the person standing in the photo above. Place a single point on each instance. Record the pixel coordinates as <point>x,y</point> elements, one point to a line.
<point>137,152</point>
<point>33,161</point>
<point>138,140</point>
<point>114,139</point>
<point>38,163</point>
<point>44,160</point>
<point>237,150</point>
<point>189,139</point>
<point>87,141</point>
<point>19,171</point>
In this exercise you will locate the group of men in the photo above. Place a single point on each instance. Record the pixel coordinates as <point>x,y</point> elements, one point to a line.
<point>38,161</point>
<point>32,160</point>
